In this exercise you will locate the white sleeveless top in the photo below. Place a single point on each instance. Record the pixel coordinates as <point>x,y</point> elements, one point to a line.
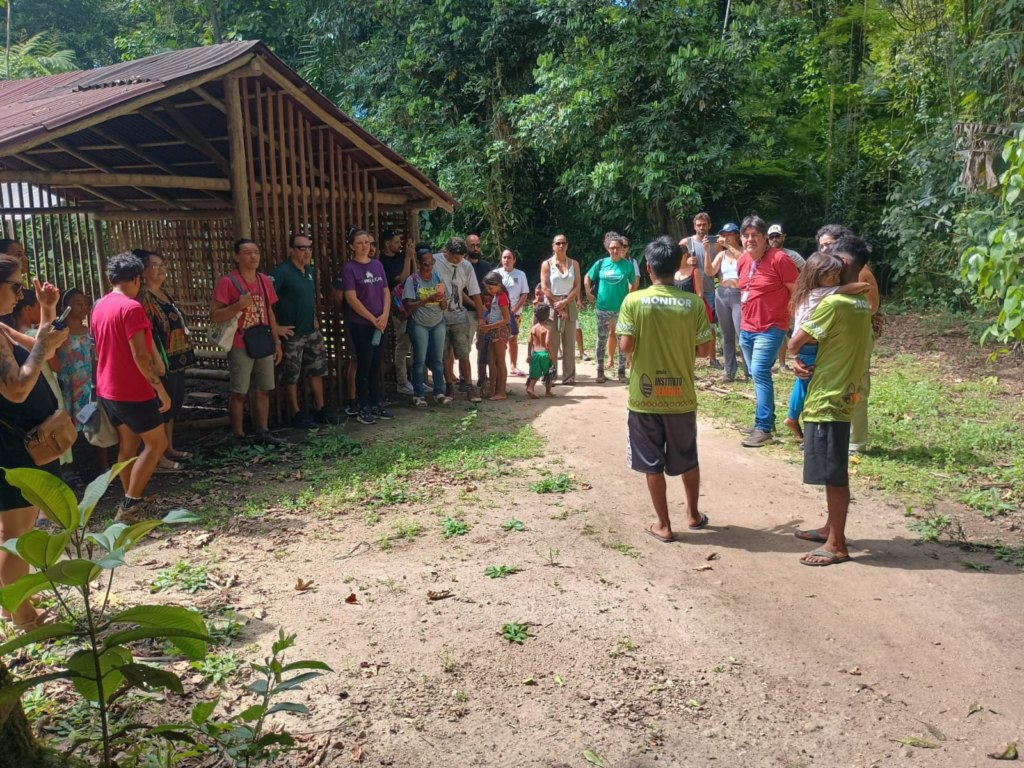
<point>562,284</point>
<point>730,269</point>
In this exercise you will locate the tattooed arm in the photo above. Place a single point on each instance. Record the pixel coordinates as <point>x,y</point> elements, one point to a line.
<point>16,381</point>
<point>144,361</point>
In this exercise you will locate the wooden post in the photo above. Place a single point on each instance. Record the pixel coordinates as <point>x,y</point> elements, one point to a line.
<point>239,168</point>
<point>101,254</point>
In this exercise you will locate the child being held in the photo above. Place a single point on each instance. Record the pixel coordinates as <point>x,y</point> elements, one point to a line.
<point>819,278</point>
<point>541,352</point>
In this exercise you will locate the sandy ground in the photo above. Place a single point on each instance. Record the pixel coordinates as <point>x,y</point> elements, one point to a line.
<point>718,650</point>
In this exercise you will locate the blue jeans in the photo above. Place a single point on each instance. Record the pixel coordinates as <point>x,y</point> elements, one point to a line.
<point>427,348</point>
<point>807,355</point>
<point>760,351</point>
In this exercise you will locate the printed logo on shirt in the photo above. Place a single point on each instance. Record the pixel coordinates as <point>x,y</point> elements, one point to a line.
<point>668,301</point>
<point>646,386</point>
<point>372,278</point>
<point>666,385</point>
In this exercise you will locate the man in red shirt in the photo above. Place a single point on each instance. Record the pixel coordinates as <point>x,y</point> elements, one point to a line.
<point>127,380</point>
<point>767,280</point>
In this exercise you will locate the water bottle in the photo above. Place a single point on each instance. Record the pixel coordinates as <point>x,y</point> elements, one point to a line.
<point>376,337</point>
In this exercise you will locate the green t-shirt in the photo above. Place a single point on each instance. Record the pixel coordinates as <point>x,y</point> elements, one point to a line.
<point>615,278</point>
<point>842,327</point>
<point>296,296</point>
<point>667,325</point>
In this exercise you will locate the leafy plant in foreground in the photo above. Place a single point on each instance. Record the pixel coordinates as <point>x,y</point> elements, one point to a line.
<point>514,632</point>
<point>553,484</point>
<point>67,563</point>
<point>513,525</point>
<point>453,527</point>
<point>500,571</point>
<point>184,576</point>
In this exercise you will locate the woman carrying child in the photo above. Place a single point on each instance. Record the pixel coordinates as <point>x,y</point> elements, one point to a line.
<point>499,332</point>
<point>820,278</point>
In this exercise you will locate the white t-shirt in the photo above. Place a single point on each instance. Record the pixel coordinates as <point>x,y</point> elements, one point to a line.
<point>696,248</point>
<point>515,283</point>
<point>456,278</point>
<point>796,257</point>
<point>810,304</point>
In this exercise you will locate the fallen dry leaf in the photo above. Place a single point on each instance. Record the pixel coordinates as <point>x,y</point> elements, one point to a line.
<point>1010,753</point>
<point>260,613</point>
<point>352,600</point>
<point>913,741</point>
<point>713,556</point>
<point>439,595</point>
<point>705,568</point>
<point>855,671</point>
<point>975,707</point>
<point>585,486</point>
<point>302,586</point>
<point>203,538</point>
<point>357,753</point>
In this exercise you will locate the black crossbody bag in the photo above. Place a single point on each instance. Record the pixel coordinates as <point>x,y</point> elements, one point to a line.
<point>258,339</point>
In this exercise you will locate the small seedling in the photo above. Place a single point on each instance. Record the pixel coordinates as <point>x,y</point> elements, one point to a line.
<point>553,484</point>
<point>407,529</point>
<point>514,632</point>
<point>513,525</point>
<point>217,668</point>
<point>453,527</point>
<point>500,571</point>
<point>625,549</point>
<point>372,519</point>
<point>184,576</point>
<point>979,567</point>
<point>447,659</point>
<point>552,556</point>
<point>383,543</point>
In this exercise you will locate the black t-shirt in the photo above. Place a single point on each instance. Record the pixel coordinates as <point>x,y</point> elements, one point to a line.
<point>393,266</point>
<point>481,268</point>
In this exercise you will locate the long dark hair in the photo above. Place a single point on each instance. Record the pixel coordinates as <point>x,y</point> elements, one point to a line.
<point>493,278</point>
<point>8,265</point>
<point>818,265</point>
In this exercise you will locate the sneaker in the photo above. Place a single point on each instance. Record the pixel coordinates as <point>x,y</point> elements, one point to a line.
<point>786,368</point>
<point>757,438</point>
<point>584,357</point>
<point>622,377</point>
<point>302,421</point>
<point>263,437</point>
<point>238,441</point>
<point>323,416</point>
<point>746,430</point>
<point>352,409</point>
<point>382,413</point>
<point>716,365</point>
<point>474,395</point>
<point>366,416</point>
<point>463,387</point>
<point>137,513</point>
<point>405,389</point>
<point>727,379</point>
<point>601,378</point>
<point>443,399</point>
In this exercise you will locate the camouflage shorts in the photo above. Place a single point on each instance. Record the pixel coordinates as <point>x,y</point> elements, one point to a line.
<point>303,354</point>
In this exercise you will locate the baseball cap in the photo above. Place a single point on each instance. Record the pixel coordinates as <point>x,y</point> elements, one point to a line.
<point>774,229</point>
<point>730,227</point>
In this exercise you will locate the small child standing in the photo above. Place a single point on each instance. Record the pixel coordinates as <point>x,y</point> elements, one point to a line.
<point>819,278</point>
<point>498,333</point>
<point>541,352</point>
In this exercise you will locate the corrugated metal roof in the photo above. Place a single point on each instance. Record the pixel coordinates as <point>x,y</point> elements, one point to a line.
<point>30,108</point>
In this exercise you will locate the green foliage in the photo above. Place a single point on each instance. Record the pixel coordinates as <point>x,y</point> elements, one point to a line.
<point>553,484</point>
<point>515,632</point>
<point>500,571</point>
<point>183,576</point>
<point>217,668</point>
<point>513,525</point>
<point>452,527</point>
<point>68,563</point>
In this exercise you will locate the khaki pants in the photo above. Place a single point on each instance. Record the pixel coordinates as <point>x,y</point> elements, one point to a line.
<point>565,340</point>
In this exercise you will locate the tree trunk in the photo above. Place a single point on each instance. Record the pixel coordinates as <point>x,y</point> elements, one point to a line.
<point>18,745</point>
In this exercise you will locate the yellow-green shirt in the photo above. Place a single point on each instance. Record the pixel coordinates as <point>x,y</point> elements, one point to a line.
<point>842,327</point>
<point>667,326</point>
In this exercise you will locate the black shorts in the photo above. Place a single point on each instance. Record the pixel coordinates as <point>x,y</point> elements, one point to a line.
<point>174,383</point>
<point>659,443</point>
<point>827,453</point>
<point>139,417</point>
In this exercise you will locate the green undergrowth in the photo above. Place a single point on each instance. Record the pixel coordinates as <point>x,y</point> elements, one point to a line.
<point>928,439</point>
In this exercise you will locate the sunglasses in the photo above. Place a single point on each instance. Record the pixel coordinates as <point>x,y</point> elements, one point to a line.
<point>303,247</point>
<point>560,244</point>
<point>16,287</point>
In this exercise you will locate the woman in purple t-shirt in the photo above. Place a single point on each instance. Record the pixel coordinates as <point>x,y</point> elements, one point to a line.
<point>367,302</point>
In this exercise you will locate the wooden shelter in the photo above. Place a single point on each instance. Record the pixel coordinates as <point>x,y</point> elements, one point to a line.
<point>183,153</point>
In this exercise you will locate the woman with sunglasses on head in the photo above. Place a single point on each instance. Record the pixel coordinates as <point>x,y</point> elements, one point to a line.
<point>25,402</point>
<point>560,277</point>
<point>172,344</point>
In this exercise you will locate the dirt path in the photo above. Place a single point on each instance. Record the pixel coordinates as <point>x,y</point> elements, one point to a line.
<point>757,661</point>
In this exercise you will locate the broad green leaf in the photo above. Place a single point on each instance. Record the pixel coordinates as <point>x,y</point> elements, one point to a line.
<point>179,516</point>
<point>173,617</point>
<point>46,632</point>
<point>201,712</point>
<point>49,493</point>
<point>592,758</point>
<point>268,739</point>
<point>298,680</point>
<point>144,633</point>
<point>84,663</point>
<point>305,665</point>
<point>71,573</point>
<point>1010,753</point>
<point>913,741</point>
<point>13,692</point>
<point>112,560</point>
<point>288,707</point>
<point>102,540</point>
<point>150,678</point>
<point>252,714</point>
<point>133,534</point>
<point>15,594</point>
<point>259,687</point>
<point>95,490</point>
<point>41,550</point>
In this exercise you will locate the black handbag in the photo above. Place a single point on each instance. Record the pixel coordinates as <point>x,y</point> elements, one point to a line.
<point>258,339</point>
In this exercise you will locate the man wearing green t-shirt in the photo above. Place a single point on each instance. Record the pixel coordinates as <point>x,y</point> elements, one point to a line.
<point>303,345</point>
<point>665,330</point>
<point>841,327</point>
<point>615,277</point>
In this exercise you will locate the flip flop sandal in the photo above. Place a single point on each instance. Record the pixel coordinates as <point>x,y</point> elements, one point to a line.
<point>811,535</point>
<point>175,467</point>
<point>703,523</point>
<point>183,456</point>
<point>662,539</point>
<point>519,374</point>
<point>833,558</point>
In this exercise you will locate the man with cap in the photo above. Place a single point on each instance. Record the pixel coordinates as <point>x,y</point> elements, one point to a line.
<point>698,245</point>
<point>777,239</point>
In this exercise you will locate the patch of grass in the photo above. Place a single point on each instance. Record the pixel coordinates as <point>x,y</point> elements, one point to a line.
<point>452,527</point>
<point>515,632</point>
<point>183,576</point>
<point>551,556</point>
<point>222,625</point>
<point>372,519</point>
<point>513,525</point>
<point>554,484</point>
<point>626,549</point>
<point>407,529</point>
<point>622,647</point>
<point>203,485</point>
<point>217,668</point>
<point>500,571</point>
<point>329,447</point>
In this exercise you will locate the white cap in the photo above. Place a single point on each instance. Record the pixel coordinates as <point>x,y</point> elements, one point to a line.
<point>775,229</point>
